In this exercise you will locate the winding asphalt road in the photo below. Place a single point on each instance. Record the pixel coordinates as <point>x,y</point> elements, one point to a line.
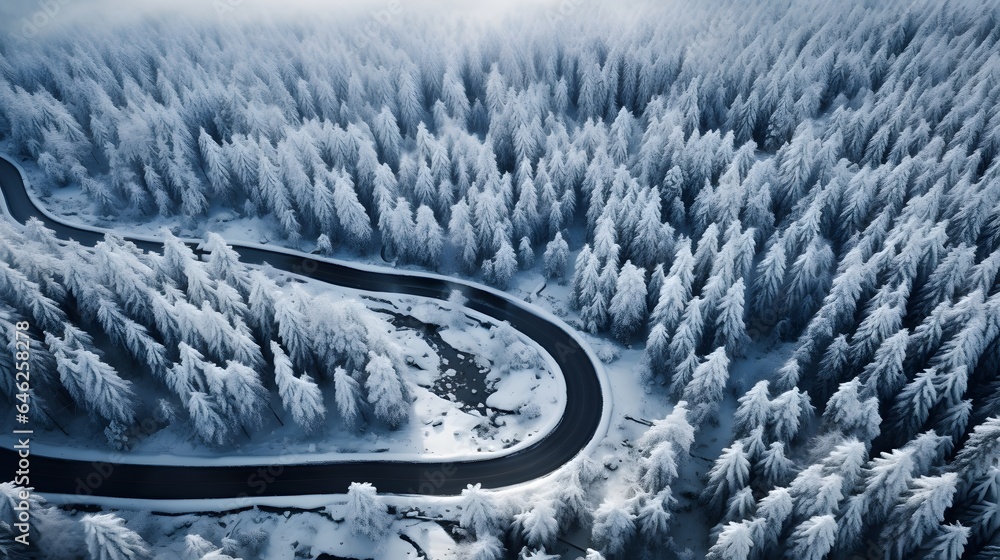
<point>579,424</point>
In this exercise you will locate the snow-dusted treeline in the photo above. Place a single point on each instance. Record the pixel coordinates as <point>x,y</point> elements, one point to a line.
<point>216,338</point>
<point>728,175</point>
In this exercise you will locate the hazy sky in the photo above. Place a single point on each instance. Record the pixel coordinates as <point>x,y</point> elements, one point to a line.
<point>35,17</point>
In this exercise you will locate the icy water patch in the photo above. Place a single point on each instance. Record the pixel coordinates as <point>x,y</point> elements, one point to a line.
<point>462,377</point>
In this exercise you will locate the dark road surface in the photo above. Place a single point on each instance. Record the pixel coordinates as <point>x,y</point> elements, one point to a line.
<point>579,424</point>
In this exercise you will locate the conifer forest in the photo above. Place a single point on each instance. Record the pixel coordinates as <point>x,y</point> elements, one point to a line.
<point>772,230</point>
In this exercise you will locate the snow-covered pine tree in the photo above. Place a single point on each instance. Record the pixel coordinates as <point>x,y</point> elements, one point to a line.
<point>606,247</point>
<point>949,543</point>
<point>768,284</point>
<point>537,525</point>
<point>224,263</point>
<point>95,386</point>
<point>648,247</point>
<point>887,480</point>
<point>323,245</point>
<point>704,255</point>
<point>397,227</point>
<point>628,306</point>
<point>205,328</point>
<point>774,468</point>
<point>526,253</point>
<point>385,390</point>
<point>980,450</point>
<point>300,396</point>
<point>773,511</point>
<point>816,493</point>
<point>525,217</point>
<point>921,514</point>
<point>188,373</point>
<point>423,187</point>
<point>943,282</point>
<point>831,366</point>
<point>730,329</point>
<point>229,302</point>
<point>670,304</point>
<point>707,386</point>
<point>874,335</point>
<point>348,397</point>
<point>912,406</point>
<point>108,538</point>
<point>243,389</point>
<point>323,208</point>
<point>755,445</point>
<point>501,268</point>
<point>675,428</point>
<point>593,305</point>
<point>208,420</point>
<point>788,411</point>
<point>814,538</point>
<point>653,518</point>
<point>485,548</point>
<point>555,257</point>
<point>733,543</point>
<point>847,460</point>
<point>367,515</point>
<point>573,505</point>
<point>351,215</point>
<point>429,236</point>
<point>293,327</point>
<point>685,343</point>
<point>480,513</point>
<point>261,305</point>
<point>753,410</point>
<point>614,527</point>
<point>27,297</point>
<point>655,354</point>
<point>583,259</point>
<point>757,213</point>
<point>954,421</point>
<point>966,347</point>
<point>276,198</point>
<point>463,236</point>
<point>809,280</point>
<point>729,475</point>
<point>123,331</point>
<point>244,156</point>
<point>341,334</point>
<point>656,279</point>
<point>851,414</point>
<point>659,469</point>
<point>196,547</point>
<point>387,135</point>
<point>884,376</point>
